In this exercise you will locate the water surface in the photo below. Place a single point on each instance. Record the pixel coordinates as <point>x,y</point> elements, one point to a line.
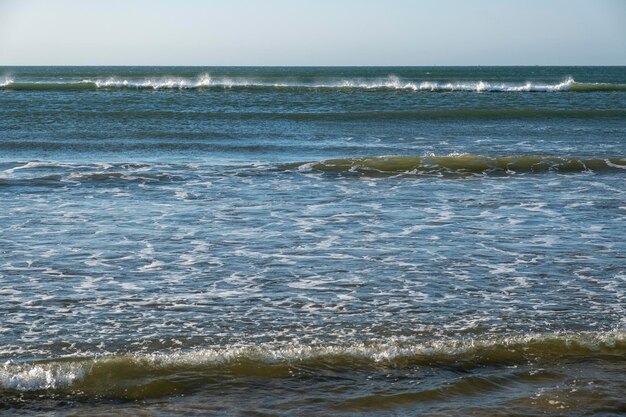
<point>312,241</point>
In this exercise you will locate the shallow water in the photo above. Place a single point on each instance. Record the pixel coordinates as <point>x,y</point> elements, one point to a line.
<point>312,241</point>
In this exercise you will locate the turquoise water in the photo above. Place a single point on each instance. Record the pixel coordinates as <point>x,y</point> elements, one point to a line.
<point>312,241</point>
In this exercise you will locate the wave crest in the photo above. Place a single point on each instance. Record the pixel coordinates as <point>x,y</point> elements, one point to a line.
<point>118,373</point>
<point>392,83</point>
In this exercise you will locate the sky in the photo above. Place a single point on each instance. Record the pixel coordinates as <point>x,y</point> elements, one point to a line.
<point>313,32</point>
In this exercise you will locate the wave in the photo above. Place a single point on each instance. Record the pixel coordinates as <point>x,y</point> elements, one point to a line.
<point>76,178</point>
<point>49,174</point>
<point>205,82</point>
<point>121,375</point>
<point>460,164</point>
<point>52,174</point>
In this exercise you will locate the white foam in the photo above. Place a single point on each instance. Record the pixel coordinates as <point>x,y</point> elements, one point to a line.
<point>31,377</point>
<point>480,86</point>
<point>391,82</point>
<point>377,351</point>
<point>155,264</point>
<point>612,165</point>
<point>129,286</point>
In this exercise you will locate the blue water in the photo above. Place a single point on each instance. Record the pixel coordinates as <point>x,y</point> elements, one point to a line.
<point>312,241</point>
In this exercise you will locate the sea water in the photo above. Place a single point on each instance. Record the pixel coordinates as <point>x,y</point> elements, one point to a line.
<point>312,241</point>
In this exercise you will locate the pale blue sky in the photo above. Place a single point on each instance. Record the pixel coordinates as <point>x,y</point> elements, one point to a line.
<point>313,32</point>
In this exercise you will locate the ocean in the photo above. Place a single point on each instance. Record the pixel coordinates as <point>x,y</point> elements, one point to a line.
<point>260,241</point>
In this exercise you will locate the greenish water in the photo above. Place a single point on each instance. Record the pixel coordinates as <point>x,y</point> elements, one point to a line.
<point>312,241</point>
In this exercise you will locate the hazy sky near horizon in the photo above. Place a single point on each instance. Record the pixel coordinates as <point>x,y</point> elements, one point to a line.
<point>313,32</point>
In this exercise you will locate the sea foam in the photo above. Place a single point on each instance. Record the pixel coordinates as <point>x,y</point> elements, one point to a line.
<point>206,81</point>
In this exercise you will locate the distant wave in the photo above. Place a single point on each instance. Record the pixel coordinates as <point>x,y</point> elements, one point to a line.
<point>391,83</point>
<point>126,376</point>
<point>461,164</point>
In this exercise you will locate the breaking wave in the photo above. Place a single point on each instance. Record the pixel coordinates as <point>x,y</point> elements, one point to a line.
<point>6,82</point>
<point>119,375</point>
<point>204,82</point>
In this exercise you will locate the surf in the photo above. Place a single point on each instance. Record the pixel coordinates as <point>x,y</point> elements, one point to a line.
<point>119,375</point>
<point>391,83</point>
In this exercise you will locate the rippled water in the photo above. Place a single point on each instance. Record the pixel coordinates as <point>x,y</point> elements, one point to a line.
<point>312,241</point>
